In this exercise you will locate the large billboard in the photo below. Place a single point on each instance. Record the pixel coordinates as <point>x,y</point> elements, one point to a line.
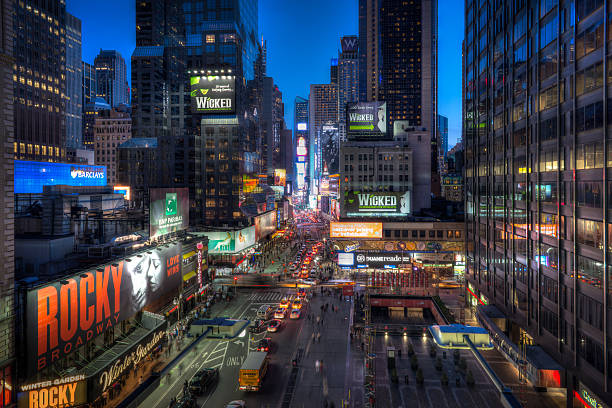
<point>366,119</point>
<point>169,210</point>
<point>355,229</point>
<point>379,259</point>
<point>377,204</point>
<point>229,242</point>
<point>213,94</point>
<point>63,392</point>
<point>31,176</point>
<point>62,316</point>
<point>265,224</point>
<point>280,177</point>
<point>330,148</point>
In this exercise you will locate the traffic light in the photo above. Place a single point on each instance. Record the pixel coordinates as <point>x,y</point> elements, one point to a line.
<point>235,279</point>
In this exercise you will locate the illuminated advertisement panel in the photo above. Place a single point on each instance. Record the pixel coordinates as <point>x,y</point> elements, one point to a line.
<point>265,224</point>
<point>302,126</point>
<point>377,204</point>
<point>125,190</point>
<point>280,177</point>
<point>168,211</point>
<point>368,119</point>
<point>302,150</point>
<point>64,315</point>
<point>31,176</point>
<point>229,242</point>
<point>213,94</point>
<point>59,393</point>
<point>355,230</point>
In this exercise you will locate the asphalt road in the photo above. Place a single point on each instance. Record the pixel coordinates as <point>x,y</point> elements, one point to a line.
<point>228,356</point>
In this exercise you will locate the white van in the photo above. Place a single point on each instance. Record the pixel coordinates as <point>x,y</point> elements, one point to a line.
<point>265,312</point>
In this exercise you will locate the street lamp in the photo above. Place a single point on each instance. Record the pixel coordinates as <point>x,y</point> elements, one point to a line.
<point>177,302</point>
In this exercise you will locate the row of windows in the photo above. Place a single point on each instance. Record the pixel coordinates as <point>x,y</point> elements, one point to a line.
<point>439,234</point>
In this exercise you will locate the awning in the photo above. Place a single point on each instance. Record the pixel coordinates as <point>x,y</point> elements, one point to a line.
<point>188,276</point>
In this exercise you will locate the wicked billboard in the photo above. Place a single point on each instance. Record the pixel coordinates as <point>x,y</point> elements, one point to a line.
<point>377,204</point>
<point>366,119</point>
<point>169,210</point>
<point>213,94</point>
<point>62,316</point>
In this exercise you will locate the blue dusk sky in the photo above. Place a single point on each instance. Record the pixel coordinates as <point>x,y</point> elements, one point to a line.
<point>302,37</point>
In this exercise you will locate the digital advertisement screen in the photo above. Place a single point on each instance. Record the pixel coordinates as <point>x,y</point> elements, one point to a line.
<point>31,176</point>
<point>377,259</point>
<point>229,242</point>
<point>169,210</point>
<point>64,315</point>
<point>368,119</point>
<point>265,224</point>
<point>355,229</point>
<point>280,177</point>
<point>377,204</point>
<point>213,94</point>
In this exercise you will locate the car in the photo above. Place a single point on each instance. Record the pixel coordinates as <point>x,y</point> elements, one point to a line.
<point>280,313</point>
<point>295,314</point>
<point>258,326</point>
<point>284,303</point>
<point>265,344</point>
<point>301,293</point>
<point>236,404</point>
<point>309,282</point>
<point>297,304</point>
<point>203,380</point>
<point>274,326</point>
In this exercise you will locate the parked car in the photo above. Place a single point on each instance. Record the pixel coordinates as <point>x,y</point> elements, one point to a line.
<point>203,380</point>
<point>236,404</point>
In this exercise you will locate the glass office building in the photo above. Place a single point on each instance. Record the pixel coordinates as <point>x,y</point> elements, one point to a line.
<point>538,167</point>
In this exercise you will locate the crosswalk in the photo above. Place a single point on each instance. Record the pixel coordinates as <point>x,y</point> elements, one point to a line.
<point>266,297</point>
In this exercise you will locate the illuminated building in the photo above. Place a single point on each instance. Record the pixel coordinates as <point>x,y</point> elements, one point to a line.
<point>74,83</point>
<point>40,83</point>
<point>300,141</point>
<point>111,128</point>
<point>8,394</point>
<point>111,78</point>
<point>537,181</point>
<point>323,109</point>
<point>89,84</point>
<point>348,79</point>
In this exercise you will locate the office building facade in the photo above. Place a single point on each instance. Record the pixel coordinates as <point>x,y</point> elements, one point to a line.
<point>8,394</point>
<point>111,128</point>
<point>322,110</point>
<point>89,84</point>
<point>111,78</point>
<point>40,84</point>
<point>348,78</point>
<point>442,141</point>
<point>537,164</point>
<point>74,83</point>
<point>300,142</point>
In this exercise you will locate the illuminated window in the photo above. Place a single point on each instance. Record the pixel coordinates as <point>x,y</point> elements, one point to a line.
<point>30,150</point>
<point>210,38</point>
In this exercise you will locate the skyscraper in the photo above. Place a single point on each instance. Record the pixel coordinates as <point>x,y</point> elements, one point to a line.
<point>348,78</point>
<point>323,110</point>
<point>398,41</point>
<point>442,140</point>
<point>89,84</point>
<point>40,84</point>
<point>177,39</point>
<point>74,83</point>
<point>300,141</point>
<point>272,122</point>
<point>8,392</point>
<point>111,77</point>
<point>537,163</point>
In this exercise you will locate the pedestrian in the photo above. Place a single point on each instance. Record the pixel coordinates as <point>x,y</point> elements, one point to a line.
<point>317,366</point>
<point>399,353</point>
<point>319,337</point>
<point>140,380</point>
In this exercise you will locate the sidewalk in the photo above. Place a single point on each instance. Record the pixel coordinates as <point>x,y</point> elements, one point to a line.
<point>164,358</point>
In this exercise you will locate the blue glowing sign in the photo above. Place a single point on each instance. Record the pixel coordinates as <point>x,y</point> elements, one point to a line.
<point>31,176</point>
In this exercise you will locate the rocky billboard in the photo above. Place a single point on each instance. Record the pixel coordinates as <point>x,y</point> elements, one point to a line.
<point>63,315</point>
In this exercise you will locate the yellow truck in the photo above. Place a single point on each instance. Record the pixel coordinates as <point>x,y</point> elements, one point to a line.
<point>253,371</point>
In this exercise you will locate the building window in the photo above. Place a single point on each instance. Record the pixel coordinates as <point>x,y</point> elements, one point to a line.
<point>210,38</point>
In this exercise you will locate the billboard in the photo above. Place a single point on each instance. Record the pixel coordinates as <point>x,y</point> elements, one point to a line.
<point>62,392</point>
<point>330,149</point>
<point>377,204</point>
<point>168,211</point>
<point>31,176</point>
<point>302,150</point>
<point>302,126</point>
<point>229,242</point>
<point>355,230</point>
<point>125,190</point>
<point>265,224</point>
<point>62,316</point>
<point>213,94</point>
<point>379,259</point>
<point>368,119</point>
<point>280,177</point>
